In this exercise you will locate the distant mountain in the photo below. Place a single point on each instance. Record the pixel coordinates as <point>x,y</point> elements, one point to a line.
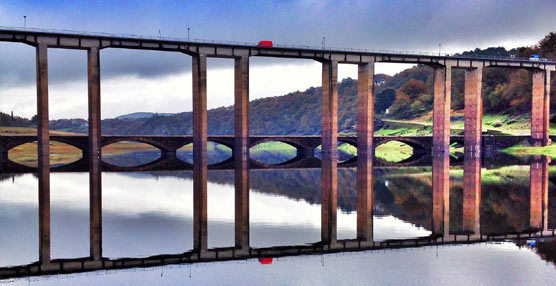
<point>295,113</point>
<point>139,115</point>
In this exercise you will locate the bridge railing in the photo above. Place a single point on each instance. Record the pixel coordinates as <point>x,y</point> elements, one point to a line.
<point>276,45</point>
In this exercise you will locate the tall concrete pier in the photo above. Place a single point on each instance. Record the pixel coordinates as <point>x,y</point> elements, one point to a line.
<point>471,192</point>
<point>539,193</point>
<point>43,154</point>
<point>199,71</point>
<point>329,174</point>
<point>441,108</point>
<point>473,126</point>
<point>94,154</point>
<point>241,151</point>
<point>540,107</point>
<point>365,150</point>
<point>441,193</point>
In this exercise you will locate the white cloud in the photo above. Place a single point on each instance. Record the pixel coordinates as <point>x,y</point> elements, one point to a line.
<point>173,93</point>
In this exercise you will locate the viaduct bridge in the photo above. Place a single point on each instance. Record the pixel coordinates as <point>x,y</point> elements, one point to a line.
<point>330,58</point>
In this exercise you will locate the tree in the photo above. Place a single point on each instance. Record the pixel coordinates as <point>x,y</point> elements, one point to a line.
<point>547,46</point>
<point>34,120</point>
<point>400,107</point>
<point>384,99</point>
<point>413,88</point>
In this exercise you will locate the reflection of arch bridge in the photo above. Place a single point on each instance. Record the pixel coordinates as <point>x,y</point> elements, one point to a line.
<point>305,146</point>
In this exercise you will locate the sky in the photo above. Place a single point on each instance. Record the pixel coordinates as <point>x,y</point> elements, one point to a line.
<point>133,81</point>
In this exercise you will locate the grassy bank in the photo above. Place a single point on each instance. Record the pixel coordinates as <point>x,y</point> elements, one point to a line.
<point>492,124</point>
<point>525,150</point>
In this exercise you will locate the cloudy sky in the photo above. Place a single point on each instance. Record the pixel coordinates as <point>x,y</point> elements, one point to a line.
<point>134,81</point>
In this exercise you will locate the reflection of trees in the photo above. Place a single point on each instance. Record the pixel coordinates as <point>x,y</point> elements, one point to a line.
<point>552,201</point>
<point>547,250</point>
<point>504,195</point>
<point>456,204</point>
<point>4,177</point>
<point>505,204</point>
<point>412,199</point>
<point>504,200</point>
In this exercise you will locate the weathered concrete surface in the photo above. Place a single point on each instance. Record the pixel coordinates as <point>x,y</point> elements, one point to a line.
<point>540,107</point>
<point>441,108</point>
<point>441,193</point>
<point>241,152</point>
<point>473,110</point>
<point>94,155</point>
<point>539,191</point>
<point>199,71</point>
<point>471,192</point>
<point>329,165</point>
<point>365,151</point>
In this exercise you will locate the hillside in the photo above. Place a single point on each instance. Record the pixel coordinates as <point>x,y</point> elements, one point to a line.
<point>294,113</point>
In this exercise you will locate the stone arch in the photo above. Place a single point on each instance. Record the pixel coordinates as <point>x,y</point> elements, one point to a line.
<point>290,141</point>
<point>419,146</point>
<point>112,140</point>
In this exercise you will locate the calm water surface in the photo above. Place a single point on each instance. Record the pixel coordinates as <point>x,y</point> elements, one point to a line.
<point>151,213</point>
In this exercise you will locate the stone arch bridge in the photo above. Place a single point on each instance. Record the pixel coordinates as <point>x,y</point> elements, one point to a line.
<point>306,147</point>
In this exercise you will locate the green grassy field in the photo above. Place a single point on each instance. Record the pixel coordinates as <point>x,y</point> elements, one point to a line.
<point>492,123</point>
<point>549,151</point>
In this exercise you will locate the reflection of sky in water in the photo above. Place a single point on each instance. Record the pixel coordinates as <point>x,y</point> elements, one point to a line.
<point>146,215</point>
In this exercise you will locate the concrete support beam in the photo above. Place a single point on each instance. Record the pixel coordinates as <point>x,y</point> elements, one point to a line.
<point>441,193</point>
<point>199,71</point>
<point>540,108</point>
<point>365,130</point>
<point>241,152</point>
<point>43,154</point>
<point>539,191</point>
<point>329,159</point>
<point>471,192</point>
<point>442,76</point>
<point>94,153</point>
<point>473,110</point>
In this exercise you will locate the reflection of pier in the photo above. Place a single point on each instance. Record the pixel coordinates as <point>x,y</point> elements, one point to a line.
<point>441,234</point>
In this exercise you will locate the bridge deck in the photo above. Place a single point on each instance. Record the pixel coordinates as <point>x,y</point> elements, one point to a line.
<point>85,40</point>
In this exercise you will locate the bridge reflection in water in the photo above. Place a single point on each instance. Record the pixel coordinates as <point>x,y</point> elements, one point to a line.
<point>470,231</point>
